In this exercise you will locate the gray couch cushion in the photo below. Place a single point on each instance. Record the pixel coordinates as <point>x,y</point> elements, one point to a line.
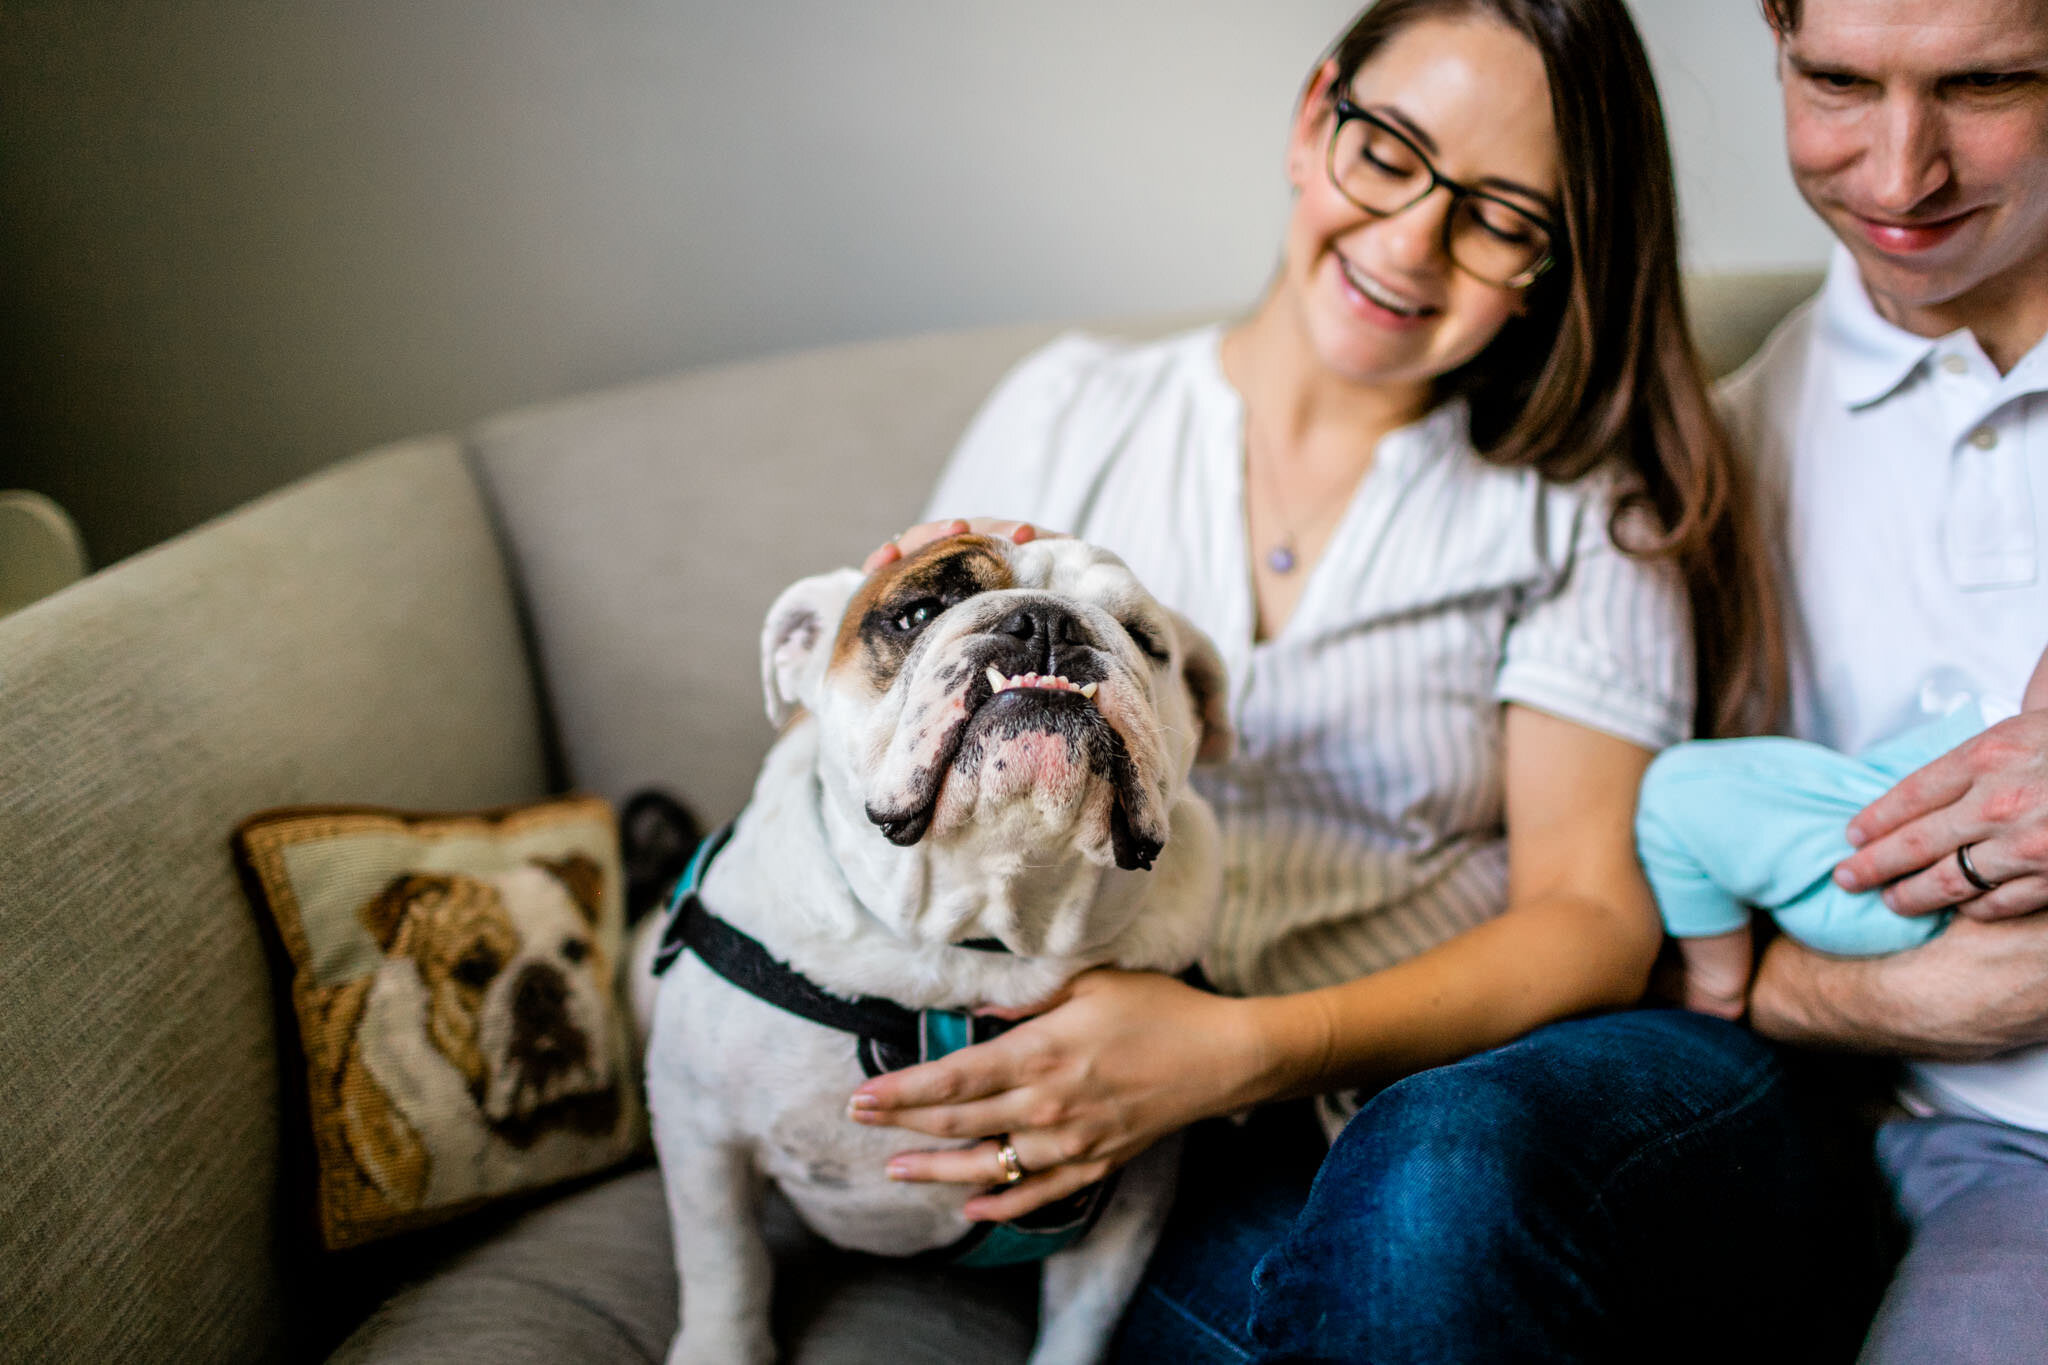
<point>1732,314</point>
<point>350,639</point>
<point>589,1278</point>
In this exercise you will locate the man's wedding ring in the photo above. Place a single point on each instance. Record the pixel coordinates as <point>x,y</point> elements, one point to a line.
<point>1013,1169</point>
<point>1969,870</point>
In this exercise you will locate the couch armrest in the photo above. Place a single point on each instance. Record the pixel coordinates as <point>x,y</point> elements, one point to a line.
<point>348,639</point>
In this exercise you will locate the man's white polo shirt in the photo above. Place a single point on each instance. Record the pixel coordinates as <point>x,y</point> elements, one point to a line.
<point>1906,485</point>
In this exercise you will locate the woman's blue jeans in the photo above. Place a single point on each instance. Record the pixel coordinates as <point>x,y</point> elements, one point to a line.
<point>1642,1186</point>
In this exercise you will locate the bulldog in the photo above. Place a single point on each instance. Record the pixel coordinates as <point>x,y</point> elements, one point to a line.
<point>980,789</point>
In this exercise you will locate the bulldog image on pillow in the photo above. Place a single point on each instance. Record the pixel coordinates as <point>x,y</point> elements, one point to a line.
<point>481,1047</point>
<point>980,790</point>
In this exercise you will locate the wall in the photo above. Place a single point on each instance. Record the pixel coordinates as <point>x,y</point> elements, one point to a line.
<point>239,240</point>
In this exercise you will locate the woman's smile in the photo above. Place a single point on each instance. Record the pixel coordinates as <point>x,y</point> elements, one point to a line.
<point>1377,301</point>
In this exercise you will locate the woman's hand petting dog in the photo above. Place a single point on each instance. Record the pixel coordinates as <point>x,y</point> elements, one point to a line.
<point>1111,1065</point>
<point>925,532</point>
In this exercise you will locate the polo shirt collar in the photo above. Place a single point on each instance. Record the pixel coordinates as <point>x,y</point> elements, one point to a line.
<point>1872,357</point>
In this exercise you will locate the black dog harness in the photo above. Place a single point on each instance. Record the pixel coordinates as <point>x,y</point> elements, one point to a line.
<point>890,1037</point>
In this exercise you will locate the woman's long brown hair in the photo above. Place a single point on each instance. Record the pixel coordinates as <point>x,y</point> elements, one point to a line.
<point>1601,367</point>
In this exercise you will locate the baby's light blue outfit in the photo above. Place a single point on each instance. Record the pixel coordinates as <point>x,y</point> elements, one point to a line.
<point>1725,825</point>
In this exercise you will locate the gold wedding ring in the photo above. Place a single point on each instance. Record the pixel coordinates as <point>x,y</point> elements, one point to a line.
<point>1013,1169</point>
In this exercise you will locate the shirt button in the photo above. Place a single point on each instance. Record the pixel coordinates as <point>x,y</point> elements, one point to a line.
<point>1983,438</point>
<point>1954,364</point>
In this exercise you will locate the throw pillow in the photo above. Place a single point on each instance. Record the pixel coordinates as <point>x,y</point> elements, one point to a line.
<point>454,979</point>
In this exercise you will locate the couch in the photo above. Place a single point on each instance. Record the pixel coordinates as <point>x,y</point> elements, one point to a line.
<point>562,597</point>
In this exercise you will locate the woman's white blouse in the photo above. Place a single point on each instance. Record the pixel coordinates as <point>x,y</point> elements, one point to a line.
<point>1362,810</point>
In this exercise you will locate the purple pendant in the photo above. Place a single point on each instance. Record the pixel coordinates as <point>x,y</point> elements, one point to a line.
<point>1280,559</point>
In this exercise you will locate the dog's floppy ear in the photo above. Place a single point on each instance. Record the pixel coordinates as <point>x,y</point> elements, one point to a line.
<point>384,914</point>
<point>797,638</point>
<point>581,878</point>
<point>1202,666</point>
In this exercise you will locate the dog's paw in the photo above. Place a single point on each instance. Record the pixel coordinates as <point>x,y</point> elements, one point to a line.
<point>737,1347</point>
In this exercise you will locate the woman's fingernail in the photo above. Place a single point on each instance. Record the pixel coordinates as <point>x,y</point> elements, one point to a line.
<point>1847,880</point>
<point>899,1170</point>
<point>1856,837</point>
<point>863,1100</point>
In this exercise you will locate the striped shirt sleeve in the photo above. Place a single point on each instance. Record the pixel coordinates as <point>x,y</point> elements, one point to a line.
<point>1610,646</point>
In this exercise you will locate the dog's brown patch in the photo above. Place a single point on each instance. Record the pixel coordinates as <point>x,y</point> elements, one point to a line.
<point>871,643</point>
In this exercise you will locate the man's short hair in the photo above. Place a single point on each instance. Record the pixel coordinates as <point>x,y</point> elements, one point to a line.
<point>1782,15</point>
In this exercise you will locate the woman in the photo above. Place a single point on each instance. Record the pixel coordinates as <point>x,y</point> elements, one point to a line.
<point>1454,506</point>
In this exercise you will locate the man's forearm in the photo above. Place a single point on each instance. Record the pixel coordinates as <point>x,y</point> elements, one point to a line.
<point>1806,998</point>
<point>1973,992</point>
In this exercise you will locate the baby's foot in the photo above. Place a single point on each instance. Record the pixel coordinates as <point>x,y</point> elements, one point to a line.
<point>1717,971</point>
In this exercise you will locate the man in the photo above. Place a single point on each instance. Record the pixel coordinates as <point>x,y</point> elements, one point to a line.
<point>1900,426</point>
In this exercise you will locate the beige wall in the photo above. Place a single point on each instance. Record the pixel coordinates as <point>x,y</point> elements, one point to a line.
<point>239,240</point>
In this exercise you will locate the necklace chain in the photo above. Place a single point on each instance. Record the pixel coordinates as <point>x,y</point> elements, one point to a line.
<point>1283,557</point>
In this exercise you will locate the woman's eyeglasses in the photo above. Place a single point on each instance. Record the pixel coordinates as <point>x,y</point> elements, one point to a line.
<point>1377,167</point>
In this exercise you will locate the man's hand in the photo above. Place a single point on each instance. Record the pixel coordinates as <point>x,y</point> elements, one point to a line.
<point>1973,991</point>
<point>1991,794</point>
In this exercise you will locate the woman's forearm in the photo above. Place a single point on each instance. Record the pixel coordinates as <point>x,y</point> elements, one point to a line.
<point>1580,932</point>
<point>1543,960</point>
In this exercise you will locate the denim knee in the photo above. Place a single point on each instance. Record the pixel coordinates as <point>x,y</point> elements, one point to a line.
<point>1437,1222</point>
<point>1571,1196</point>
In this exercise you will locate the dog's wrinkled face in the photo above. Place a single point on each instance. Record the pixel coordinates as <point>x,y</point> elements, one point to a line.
<point>1025,698</point>
<point>515,979</point>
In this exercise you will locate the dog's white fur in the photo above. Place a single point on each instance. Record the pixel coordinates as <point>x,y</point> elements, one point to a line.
<point>1020,850</point>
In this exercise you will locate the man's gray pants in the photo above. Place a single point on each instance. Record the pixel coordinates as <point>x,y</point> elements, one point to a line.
<point>1973,1286</point>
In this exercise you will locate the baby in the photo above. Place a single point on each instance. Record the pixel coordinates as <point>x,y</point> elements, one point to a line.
<point>1724,826</point>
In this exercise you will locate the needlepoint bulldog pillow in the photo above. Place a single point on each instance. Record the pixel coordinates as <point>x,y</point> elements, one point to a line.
<point>455,983</point>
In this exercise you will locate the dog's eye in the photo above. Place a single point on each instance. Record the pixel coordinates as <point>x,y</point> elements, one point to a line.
<point>575,949</point>
<point>477,968</point>
<point>1147,642</point>
<point>917,615</point>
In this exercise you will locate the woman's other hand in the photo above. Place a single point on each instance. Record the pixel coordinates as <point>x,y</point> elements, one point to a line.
<point>925,532</point>
<point>1117,1061</point>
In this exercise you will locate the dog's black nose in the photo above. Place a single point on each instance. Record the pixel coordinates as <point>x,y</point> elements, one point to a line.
<point>542,1031</point>
<point>1048,632</point>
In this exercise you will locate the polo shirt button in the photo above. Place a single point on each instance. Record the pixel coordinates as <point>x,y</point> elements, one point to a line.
<point>1954,364</point>
<point>1983,438</point>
